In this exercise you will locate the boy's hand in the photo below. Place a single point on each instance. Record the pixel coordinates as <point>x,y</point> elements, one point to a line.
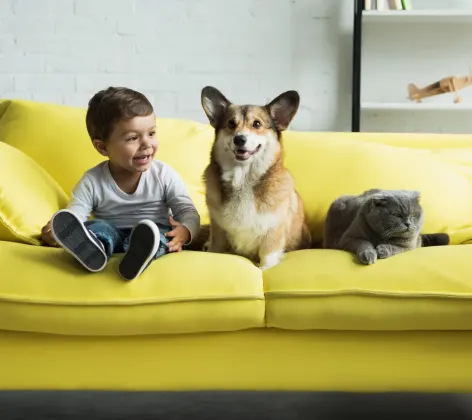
<point>180,235</point>
<point>46,235</point>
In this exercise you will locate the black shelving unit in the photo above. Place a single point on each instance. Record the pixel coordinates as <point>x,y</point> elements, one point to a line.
<point>356,66</point>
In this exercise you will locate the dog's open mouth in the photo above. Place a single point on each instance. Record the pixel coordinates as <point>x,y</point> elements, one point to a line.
<point>243,154</point>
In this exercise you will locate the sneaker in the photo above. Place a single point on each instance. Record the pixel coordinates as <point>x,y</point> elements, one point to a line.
<point>143,245</point>
<point>72,235</point>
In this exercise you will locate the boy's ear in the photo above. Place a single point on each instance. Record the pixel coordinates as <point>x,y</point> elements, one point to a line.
<point>100,146</point>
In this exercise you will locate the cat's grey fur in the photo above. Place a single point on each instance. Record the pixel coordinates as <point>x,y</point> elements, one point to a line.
<point>378,224</point>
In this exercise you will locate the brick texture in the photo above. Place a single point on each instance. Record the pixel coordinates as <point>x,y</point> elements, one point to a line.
<point>63,51</point>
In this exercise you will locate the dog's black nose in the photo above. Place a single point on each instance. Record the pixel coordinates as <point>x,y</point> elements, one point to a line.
<point>239,140</point>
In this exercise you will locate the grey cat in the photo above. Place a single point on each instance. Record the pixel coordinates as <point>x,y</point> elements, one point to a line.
<point>378,224</point>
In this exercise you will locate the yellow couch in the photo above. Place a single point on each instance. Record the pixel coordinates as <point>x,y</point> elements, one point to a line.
<point>194,320</point>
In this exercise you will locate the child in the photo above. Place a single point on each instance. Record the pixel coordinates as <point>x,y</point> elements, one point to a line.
<point>130,194</point>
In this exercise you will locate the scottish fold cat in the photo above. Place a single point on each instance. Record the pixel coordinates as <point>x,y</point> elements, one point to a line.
<point>378,224</point>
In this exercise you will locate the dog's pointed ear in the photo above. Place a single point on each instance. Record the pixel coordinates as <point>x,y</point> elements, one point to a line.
<point>283,108</point>
<point>214,104</point>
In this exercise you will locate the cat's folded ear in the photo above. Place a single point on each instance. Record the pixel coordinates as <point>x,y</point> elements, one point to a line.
<point>416,195</point>
<point>379,201</point>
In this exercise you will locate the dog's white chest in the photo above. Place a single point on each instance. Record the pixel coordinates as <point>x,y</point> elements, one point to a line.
<point>240,217</point>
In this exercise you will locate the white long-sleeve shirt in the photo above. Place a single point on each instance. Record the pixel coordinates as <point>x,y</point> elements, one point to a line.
<point>160,192</point>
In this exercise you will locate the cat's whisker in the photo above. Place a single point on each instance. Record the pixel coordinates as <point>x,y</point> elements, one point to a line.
<point>389,233</point>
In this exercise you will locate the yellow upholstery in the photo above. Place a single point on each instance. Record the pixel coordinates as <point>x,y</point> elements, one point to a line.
<point>193,319</point>
<point>425,289</point>
<point>326,167</point>
<point>258,359</point>
<point>28,197</point>
<point>62,146</point>
<point>180,293</point>
<point>55,136</point>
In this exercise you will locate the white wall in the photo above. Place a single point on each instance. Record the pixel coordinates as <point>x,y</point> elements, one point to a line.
<point>63,51</point>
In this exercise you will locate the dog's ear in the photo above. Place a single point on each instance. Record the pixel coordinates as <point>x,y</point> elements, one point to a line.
<point>283,108</point>
<point>214,104</point>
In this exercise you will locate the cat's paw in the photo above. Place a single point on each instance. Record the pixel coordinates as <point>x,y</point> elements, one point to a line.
<point>206,247</point>
<point>383,251</point>
<point>367,256</point>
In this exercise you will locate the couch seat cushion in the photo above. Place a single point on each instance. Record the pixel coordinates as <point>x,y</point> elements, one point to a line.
<point>424,289</point>
<point>45,290</point>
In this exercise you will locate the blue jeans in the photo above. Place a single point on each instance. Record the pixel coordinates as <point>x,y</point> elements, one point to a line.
<point>117,240</point>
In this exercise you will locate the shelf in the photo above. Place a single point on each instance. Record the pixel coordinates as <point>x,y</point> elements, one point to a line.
<point>417,16</point>
<point>414,106</point>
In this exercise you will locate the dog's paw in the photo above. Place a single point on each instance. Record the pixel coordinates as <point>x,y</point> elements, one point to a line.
<point>383,251</point>
<point>206,246</point>
<point>271,260</point>
<point>367,256</point>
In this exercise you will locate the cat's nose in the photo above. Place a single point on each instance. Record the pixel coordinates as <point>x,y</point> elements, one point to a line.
<point>407,224</point>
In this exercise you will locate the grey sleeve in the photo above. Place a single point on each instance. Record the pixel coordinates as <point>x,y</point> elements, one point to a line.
<point>178,200</point>
<point>81,199</point>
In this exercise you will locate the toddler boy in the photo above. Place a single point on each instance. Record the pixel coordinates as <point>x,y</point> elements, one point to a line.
<point>130,194</point>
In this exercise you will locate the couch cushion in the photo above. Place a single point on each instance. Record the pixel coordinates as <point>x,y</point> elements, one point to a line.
<point>55,136</point>
<point>28,197</point>
<point>45,290</point>
<point>327,165</point>
<point>424,289</point>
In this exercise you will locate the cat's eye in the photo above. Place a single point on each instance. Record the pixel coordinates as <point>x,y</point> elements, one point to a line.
<point>416,214</point>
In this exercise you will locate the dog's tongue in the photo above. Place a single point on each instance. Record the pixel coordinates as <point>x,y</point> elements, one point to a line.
<point>243,153</point>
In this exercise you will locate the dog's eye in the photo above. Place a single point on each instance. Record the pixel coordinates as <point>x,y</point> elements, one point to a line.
<point>231,124</point>
<point>256,124</point>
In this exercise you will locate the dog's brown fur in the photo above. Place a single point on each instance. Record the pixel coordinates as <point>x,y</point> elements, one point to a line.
<point>254,208</point>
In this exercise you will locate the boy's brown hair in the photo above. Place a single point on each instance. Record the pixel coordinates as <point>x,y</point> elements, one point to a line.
<point>109,106</point>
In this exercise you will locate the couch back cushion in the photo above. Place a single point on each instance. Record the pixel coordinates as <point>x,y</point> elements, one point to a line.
<point>55,136</point>
<point>324,165</point>
<point>28,197</point>
<point>327,165</point>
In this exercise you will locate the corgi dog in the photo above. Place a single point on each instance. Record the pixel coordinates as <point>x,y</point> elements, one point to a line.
<point>254,208</point>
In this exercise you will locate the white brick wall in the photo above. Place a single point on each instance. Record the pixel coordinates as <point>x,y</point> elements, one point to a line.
<point>65,50</point>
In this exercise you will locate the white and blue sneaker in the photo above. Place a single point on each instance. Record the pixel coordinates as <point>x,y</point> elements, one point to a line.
<point>143,245</point>
<point>72,235</point>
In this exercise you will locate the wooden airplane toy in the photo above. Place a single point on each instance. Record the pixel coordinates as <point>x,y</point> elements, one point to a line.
<point>446,85</point>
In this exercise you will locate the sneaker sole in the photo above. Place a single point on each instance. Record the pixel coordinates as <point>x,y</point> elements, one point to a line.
<point>72,235</point>
<point>143,245</point>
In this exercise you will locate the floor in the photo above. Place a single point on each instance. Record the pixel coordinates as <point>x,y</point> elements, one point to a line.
<point>231,406</point>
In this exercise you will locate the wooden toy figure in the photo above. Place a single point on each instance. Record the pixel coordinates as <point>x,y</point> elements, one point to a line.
<point>446,85</point>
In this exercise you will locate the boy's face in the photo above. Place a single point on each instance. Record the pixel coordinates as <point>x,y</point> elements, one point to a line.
<point>132,144</point>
